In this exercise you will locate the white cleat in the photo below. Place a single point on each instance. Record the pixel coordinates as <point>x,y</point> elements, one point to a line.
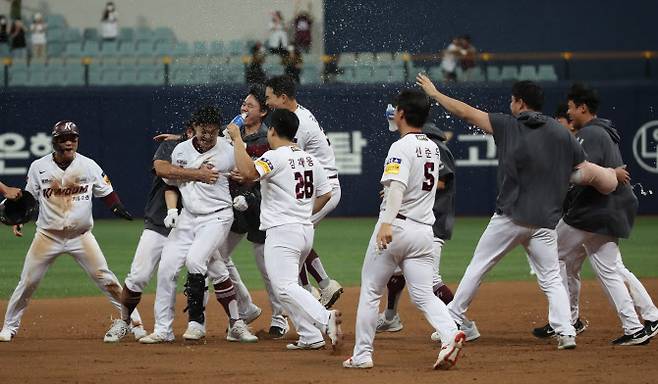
<point>468,327</point>
<point>253,314</point>
<point>393,325</point>
<point>155,338</point>
<point>298,345</point>
<point>334,330</point>
<point>195,331</point>
<point>329,295</point>
<point>566,342</point>
<point>450,352</point>
<point>117,331</point>
<point>5,335</point>
<point>239,332</point>
<point>349,363</point>
<point>138,331</point>
<point>315,292</point>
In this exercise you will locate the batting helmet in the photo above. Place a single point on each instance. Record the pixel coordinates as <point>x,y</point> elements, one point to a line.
<point>65,127</point>
<point>19,211</point>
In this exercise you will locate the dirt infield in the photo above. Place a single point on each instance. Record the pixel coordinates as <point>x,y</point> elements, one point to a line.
<point>61,342</point>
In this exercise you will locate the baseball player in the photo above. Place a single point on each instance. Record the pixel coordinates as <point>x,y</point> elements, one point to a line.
<point>595,222</point>
<point>444,214</point>
<point>10,193</point>
<point>403,235</point>
<point>154,236</point>
<point>246,202</point>
<point>64,183</point>
<point>199,230</point>
<point>280,93</point>
<point>293,186</point>
<point>536,159</point>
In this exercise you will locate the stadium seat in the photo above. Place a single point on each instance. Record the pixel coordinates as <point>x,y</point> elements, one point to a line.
<point>128,75</point>
<point>18,76</point>
<point>126,48</point>
<point>363,74</point>
<point>73,35</point>
<point>346,59</point>
<point>398,74</point>
<point>110,48</point>
<point>126,34</point>
<point>236,47</point>
<point>163,48</point>
<point>200,48</point>
<point>54,49</point>
<point>217,48</point>
<point>182,76</point>
<point>366,57</point>
<point>311,73</point>
<point>546,72</point>
<point>528,72</point>
<point>55,35</point>
<point>4,51</point>
<point>164,34</point>
<point>111,75</point>
<point>56,75</point>
<point>509,72</point>
<point>143,35</point>
<point>346,74</point>
<point>472,74</point>
<point>90,34</point>
<point>55,20</point>
<point>181,49</point>
<point>75,74</point>
<point>311,58</point>
<point>148,60</point>
<point>37,76</point>
<point>145,48</point>
<point>91,49</point>
<point>381,72</point>
<point>202,74</point>
<point>57,61</point>
<point>273,69</point>
<point>435,73</point>
<point>384,57</point>
<point>150,75</point>
<point>73,50</point>
<point>493,73</point>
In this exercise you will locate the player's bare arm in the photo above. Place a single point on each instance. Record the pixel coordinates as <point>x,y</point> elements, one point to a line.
<point>243,161</point>
<point>320,202</point>
<point>10,193</point>
<point>393,195</point>
<point>455,107</point>
<point>166,137</point>
<point>602,179</point>
<point>166,170</point>
<point>623,177</point>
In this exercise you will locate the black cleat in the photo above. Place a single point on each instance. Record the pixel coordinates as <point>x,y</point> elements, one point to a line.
<point>580,326</point>
<point>638,338</point>
<point>277,332</point>
<point>651,327</point>
<point>544,332</point>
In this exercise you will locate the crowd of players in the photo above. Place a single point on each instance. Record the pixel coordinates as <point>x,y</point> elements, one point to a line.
<point>563,194</point>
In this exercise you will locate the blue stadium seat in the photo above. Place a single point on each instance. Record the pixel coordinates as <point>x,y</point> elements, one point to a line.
<point>75,74</point>
<point>273,69</point>
<point>126,48</point>
<point>217,48</point>
<point>73,49</point>
<point>236,47</point>
<point>381,72</point>
<point>128,75</point>
<point>54,49</point>
<point>182,76</point>
<point>311,73</point>
<point>363,74</point>
<point>546,72</point>
<point>18,76</point>
<point>435,73</point>
<point>55,20</point>
<point>126,34</point>
<point>95,77</point>
<point>200,48</point>
<point>55,35</point>
<point>37,77</point>
<point>346,59</point>
<point>384,57</point>
<point>182,49</point>
<point>111,75</point>
<point>91,49</point>
<point>150,75</point>
<point>56,75</point>
<point>110,48</point>
<point>144,35</point>
<point>90,34</point>
<point>72,35</point>
<point>164,34</point>
<point>164,48</point>
<point>4,51</point>
<point>145,48</point>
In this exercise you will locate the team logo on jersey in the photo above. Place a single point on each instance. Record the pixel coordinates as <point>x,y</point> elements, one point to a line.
<point>74,190</point>
<point>265,164</point>
<point>106,179</point>
<point>392,166</point>
<point>422,137</point>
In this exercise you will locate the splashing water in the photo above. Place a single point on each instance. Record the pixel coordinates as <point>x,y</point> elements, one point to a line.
<point>643,192</point>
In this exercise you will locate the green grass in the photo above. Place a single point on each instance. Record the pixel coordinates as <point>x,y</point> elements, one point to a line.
<point>340,242</point>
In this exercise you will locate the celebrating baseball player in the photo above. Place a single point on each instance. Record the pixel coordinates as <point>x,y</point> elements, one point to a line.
<point>64,183</point>
<point>403,235</point>
<point>594,222</point>
<point>154,236</point>
<point>293,186</point>
<point>536,160</point>
<point>281,93</point>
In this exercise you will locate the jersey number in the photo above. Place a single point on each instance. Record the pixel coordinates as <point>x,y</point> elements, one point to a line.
<point>428,184</point>
<point>304,187</point>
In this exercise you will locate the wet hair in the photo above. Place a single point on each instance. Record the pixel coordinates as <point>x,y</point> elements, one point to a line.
<point>206,115</point>
<point>284,123</point>
<point>416,106</point>
<point>582,94</point>
<point>282,85</point>
<point>561,111</point>
<point>258,92</point>
<point>531,94</point>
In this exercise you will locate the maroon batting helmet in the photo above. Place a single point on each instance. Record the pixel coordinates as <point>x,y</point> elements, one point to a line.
<point>65,128</point>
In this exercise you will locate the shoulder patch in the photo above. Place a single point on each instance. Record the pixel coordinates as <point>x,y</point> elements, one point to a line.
<point>421,137</point>
<point>265,164</point>
<point>392,166</point>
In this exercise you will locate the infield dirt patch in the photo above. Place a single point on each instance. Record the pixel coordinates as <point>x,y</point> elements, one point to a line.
<point>60,341</point>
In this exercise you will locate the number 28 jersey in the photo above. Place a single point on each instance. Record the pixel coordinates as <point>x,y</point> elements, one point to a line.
<point>290,180</point>
<point>414,161</point>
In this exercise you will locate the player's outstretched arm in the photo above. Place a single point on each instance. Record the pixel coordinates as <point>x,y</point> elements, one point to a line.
<point>320,202</point>
<point>602,179</point>
<point>10,193</point>
<point>243,161</point>
<point>455,107</point>
<point>166,170</point>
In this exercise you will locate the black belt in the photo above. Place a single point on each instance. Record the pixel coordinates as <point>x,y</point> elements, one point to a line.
<point>333,177</point>
<point>401,217</point>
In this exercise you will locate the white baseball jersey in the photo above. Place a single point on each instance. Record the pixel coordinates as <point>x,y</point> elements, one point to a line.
<point>290,181</point>
<point>414,160</point>
<point>311,138</point>
<point>201,198</point>
<point>65,196</point>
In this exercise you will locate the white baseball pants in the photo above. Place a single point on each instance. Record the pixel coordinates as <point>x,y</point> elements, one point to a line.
<point>286,247</point>
<point>412,251</point>
<point>226,250</point>
<point>500,237</point>
<point>437,248</point>
<point>605,258</point>
<point>46,246</point>
<point>146,260</point>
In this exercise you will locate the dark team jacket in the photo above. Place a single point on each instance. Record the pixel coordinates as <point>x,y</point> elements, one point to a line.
<point>249,221</point>
<point>613,214</point>
<point>444,204</point>
<point>156,208</point>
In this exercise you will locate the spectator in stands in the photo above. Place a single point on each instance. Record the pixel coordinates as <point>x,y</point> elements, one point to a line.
<point>278,40</point>
<point>17,39</point>
<point>293,63</point>
<point>38,30</point>
<point>4,34</point>
<point>302,28</point>
<point>449,61</point>
<point>15,9</point>
<point>467,57</point>
<point>110,23</point>
<point>254,73</point>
